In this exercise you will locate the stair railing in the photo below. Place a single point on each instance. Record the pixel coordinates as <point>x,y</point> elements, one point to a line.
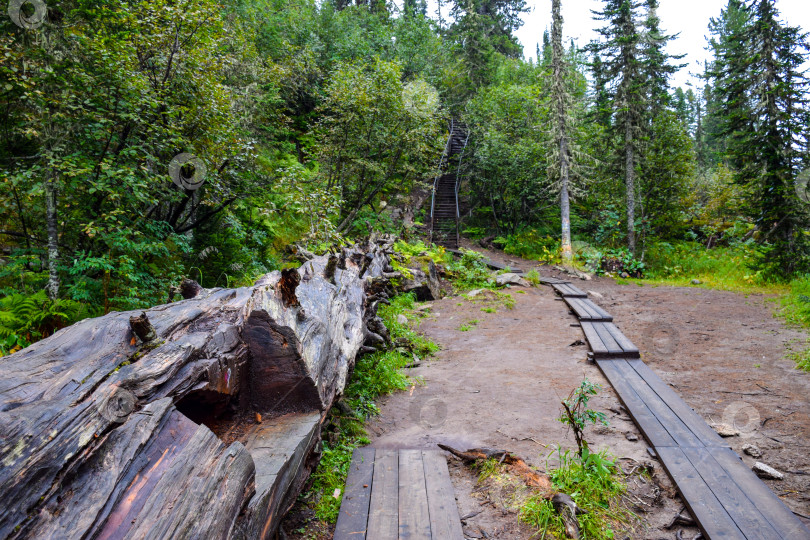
<point>458,186</point>
<point>442,161</point>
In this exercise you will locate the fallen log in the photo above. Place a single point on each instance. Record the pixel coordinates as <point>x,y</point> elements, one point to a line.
<point>194,419</point>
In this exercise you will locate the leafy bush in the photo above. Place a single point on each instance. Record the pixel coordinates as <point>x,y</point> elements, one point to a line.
<point>613,261</point>
<point>531,244</point>
<point>470,271</point>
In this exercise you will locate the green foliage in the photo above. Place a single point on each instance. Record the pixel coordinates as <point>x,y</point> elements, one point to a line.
<point>595,483</point>
<point>722,267</point>
<point>377,135</point>
<point>577,415</point>
<point>25,319</point>
<point>795,309</point>
<point>470,271</point>
<point>614,261</point>
<point>532,244</point>
<point>469,325</point>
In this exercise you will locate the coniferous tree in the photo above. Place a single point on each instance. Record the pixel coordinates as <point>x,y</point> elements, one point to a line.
<point>657,68</point>
<point>762,93</point>
<point>483,28</point>
<point>561,104</point>
<point>623,72</point>
<point>601,111</point>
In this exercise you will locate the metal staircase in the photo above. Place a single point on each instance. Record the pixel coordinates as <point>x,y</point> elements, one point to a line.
<point>444,208</point>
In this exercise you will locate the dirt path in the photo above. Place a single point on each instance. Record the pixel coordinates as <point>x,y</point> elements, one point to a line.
<point>724,353</point>
<point>499,385</point>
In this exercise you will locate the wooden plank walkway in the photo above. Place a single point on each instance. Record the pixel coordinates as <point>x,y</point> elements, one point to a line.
<point>398,494</point>
<point>566,289</point>
<point>725,497</point>
<point>586,310</point>
<point>607,341</point>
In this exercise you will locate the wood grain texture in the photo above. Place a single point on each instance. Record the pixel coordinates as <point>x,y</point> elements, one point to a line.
<point>444,518</point>
<point>383,519</point>
<point>91,443</point>
<point>414,516</point>
<point>712,518</point>
<point>354,508</point>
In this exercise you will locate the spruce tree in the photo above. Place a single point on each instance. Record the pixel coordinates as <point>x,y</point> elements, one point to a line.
<point>761,90</point>
<point>623,72</point>
<point>657,68</point>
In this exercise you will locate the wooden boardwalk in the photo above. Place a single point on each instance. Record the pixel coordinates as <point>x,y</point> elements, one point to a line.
<point>725,497</point>
<point>398,494</point>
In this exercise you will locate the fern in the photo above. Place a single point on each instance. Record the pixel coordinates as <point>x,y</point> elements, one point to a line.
<point>26,319</point>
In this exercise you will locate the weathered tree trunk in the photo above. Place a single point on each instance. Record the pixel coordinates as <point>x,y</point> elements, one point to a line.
<point>561,128</point>
<point>53,239</point>
<point>106,436</point>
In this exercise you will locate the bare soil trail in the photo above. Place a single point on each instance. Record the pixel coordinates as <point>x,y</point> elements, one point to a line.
<point>499,384</point>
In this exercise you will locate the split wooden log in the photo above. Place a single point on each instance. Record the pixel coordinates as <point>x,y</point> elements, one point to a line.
<point>107,436</point>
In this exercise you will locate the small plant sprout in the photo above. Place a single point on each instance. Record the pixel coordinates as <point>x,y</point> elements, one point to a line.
<point>577,415</point>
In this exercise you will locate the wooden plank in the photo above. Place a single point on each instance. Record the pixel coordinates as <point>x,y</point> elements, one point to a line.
<point>599,311</point>
<point>778,515</point>
<point>587,310</point>
<point>650,426</point>
<point>353,518</point>
<point>566,289</point>
<point>579,308</point>
<point>690,418</point>
<point>674,425</point>
<point>710,515</point>
<point>444,518</point>
<point>552,280</point>
<point>744,512</point>
<point>414,516</point>
<point>383,520</point>
<point>597,347</point>
<point>576,291</point>
<point>610,344</point>
<point>630,350</point>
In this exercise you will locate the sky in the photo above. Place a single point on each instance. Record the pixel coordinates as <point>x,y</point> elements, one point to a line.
<point>687,18</point>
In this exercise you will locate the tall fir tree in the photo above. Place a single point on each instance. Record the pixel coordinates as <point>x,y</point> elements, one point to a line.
<point>620,51</point>
<point>762,90</point>
<point>657,69</point>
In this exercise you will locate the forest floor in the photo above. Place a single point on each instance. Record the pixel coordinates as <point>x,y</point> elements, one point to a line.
<point>498,383</point>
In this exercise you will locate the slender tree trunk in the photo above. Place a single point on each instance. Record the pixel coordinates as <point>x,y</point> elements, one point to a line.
<point>53,247</point>
<point>561,127</point>
<point>630,182</point>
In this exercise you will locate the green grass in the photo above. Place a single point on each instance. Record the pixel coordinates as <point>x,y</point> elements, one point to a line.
<point>469,325</point>
<point>596,485</point>
<point>724,268</point>
<point>795,309</point>
<point>374,375</point>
